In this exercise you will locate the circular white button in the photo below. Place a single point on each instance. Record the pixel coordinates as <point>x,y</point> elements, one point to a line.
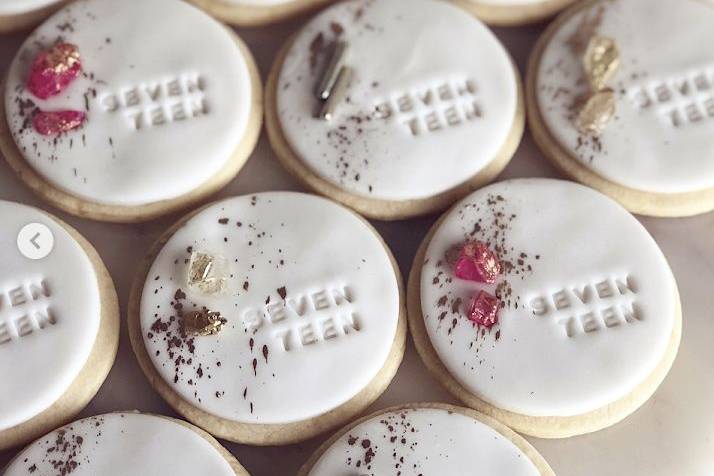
<point>35,241</point>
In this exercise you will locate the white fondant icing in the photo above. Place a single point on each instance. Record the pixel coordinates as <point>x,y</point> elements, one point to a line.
<point>423,441</point>
<point>588,269</point>
<point>14,7</point>
<point>121,444</point>
<point>339,316</point>
<point>425,61</point>
<point>144,68</point>
<point>46,330</point>
<point>667,64</point>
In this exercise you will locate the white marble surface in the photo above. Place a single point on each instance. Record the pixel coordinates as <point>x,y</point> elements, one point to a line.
<point>673,434</point>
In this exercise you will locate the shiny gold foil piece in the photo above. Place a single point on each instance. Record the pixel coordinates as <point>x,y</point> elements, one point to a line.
<point>601,60</point>
<point>202,323</point>
<point>598,111</point>
<point>207,273</point>
<point>63,57</point>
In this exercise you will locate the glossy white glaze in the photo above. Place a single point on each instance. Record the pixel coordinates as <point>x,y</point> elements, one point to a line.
<point>432,99</point>
<point>312,305</point>
<point>588,299</point>
<point>165,112</point>
<point>49,316</point>
<point>121,444</point>
<point>662,137</point>
<point>423,441</point>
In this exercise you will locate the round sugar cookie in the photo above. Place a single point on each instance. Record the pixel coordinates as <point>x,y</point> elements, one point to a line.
<point>652,151</point>
<point>257,12</point>
<point>59,323</point>
<point>513,12</point>
<point>426,438</point>
<point>588,318</point>
<point>123,444</point>
<point>16,15</point>
<point>431,110</point>
<point>154,122</point>
<point>310,322</point>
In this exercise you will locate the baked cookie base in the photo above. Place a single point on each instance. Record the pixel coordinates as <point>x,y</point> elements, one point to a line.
<point>23,21</point>
<point>101,359</point>
<point>506,432</point>
<point>637,201</point>
<point>133,214</point>
<point>370,207</point>
<point>538,426</point>
<point>237,468</point>
<point>253,433</point>
<point>513,15</point>
<point>256,15</point>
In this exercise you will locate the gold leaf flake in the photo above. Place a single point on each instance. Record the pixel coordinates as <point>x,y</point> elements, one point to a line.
<point>202,323</point>
<point>62,57</point>
<point>598,110</point>
<point>601,60</point>
<point>207,273</point>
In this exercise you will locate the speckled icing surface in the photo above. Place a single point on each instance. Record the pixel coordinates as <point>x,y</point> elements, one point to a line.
<point>432,99</point>
<point>425,442</point>
<point>121,444</point>
<point>312,307</point>
<point>662,137</point>
<point>13,7</point>
<point>49,317</point>
<point>588,300</point>
<point>156,100</point>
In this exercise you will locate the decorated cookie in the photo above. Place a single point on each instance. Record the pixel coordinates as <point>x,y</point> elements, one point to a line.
<point>269,318</point>
<point>627,109</point>
<point>426,439</point>
<point>394,108</point>
<point>59,323</point>
<point>513,12</point>
<point>118,444</point>
<point>114,111</point>
<point>545,305</point>
<point>19,14</point>
<point>256,12</point>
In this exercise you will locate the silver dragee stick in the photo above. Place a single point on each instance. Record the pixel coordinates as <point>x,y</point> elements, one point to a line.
<point>332,71</point>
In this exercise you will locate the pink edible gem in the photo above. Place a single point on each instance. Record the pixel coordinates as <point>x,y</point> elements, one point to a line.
<point>57,122</point>
<point>53,70</point>
<point>477,263</point>
<point>484,309</point>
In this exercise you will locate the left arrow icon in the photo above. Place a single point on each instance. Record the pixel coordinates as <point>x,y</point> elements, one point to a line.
<point>35,241</point>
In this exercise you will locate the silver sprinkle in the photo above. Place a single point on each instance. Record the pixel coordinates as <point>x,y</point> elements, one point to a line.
<point>337,94</point>
<point>329,78</point>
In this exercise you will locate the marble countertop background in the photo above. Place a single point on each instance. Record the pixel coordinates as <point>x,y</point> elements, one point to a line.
<point>672,434</point>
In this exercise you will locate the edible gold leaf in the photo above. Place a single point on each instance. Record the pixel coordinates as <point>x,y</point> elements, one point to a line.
<point>597,112</point>
<point>207,273</point>
<point>202,323</point>
<point>601,60</point>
